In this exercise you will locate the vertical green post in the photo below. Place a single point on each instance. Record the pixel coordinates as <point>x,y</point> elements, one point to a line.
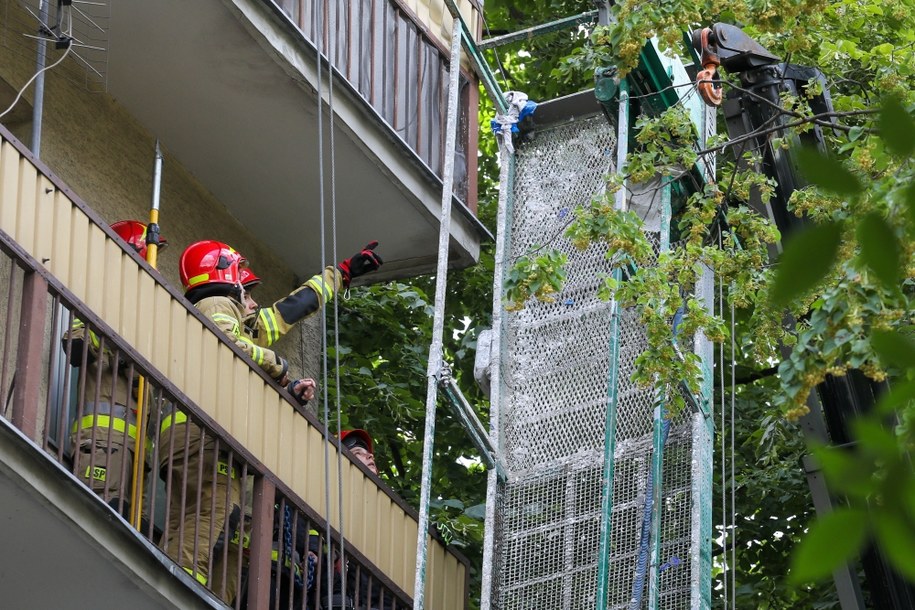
<point>609,449</point>
<point>603,558</point>
<point>657,456</point>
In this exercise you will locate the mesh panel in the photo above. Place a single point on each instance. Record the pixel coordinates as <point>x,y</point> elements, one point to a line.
<point>555,373</point>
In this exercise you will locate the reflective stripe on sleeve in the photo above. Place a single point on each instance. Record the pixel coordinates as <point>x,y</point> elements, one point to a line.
<point>268,321</point>
<point>221,318</point>
<point>257,353</point>
<point>321,286</point>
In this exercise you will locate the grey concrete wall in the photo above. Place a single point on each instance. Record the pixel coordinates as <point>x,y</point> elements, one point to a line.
<point>106,156</point>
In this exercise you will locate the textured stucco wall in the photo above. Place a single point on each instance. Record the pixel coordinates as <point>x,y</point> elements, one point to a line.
<point>106,157</point>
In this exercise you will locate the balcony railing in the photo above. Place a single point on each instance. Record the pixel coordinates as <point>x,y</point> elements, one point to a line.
<point>156,350</point>
<point>393,61</point>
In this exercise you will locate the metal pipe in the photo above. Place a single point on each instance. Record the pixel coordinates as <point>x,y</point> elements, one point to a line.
<point>659,439</point>
<point>538,30</point>
<point>506,186</point>
<point>478,63</point>
<point>435,349</point>
<point>38,103</point>
<point>468,417</point>
<point>152,249</point>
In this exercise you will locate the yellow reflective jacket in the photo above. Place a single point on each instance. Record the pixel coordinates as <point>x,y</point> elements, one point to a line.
<point>268,324</point>
<point>106,395</point>
<point>228,315</point>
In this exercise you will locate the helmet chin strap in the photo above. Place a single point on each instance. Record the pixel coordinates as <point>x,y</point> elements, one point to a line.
<point>240,292</point>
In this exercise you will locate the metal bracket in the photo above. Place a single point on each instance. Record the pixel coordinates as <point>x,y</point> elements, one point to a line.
<point>468,418</point>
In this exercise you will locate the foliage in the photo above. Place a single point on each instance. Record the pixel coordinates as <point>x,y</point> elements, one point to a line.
<point>773,507</point>
<point>384,336</point>
<point>846,281</point>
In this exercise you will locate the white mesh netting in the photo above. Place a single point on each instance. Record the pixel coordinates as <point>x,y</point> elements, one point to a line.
<point>555,373</point>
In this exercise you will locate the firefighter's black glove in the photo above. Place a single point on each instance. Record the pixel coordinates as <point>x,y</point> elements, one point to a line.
<point>362,262</point>
<point>302,390</point>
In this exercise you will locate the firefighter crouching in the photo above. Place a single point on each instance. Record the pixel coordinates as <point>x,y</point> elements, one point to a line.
<point>105,430</point>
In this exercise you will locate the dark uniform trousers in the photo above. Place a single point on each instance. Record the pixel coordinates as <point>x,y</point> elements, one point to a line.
<point>210,502</point>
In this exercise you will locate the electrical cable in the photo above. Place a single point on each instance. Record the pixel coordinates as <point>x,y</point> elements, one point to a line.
<point>34,76</point>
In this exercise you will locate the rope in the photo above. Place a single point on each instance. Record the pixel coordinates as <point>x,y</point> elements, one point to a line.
<point>733,451</point>
<point>724,508</point>
<point>638,582</point>
<point>288,552</point>
<point>319,27</point>
<point>333,224</point>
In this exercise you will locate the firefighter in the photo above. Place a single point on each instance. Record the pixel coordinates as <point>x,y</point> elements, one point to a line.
<point>103,436</point>
<point>299,576</point>
<point>359,442</point>
<point>214,276</point>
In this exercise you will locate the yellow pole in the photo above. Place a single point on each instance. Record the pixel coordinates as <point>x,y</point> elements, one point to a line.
<point>139,449</point>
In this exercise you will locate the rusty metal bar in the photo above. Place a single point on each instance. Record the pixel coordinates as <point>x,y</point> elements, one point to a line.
<point>261,542</point>
<point>28,370</point>
<point>5,368</point>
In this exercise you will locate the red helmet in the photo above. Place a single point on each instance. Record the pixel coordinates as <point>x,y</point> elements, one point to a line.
<point>210,262</point>
<point>357,438</point>
<point>134,233</point>
<point>248,279</point>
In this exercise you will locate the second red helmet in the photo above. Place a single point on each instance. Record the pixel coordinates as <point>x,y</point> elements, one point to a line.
<point>134,233</point>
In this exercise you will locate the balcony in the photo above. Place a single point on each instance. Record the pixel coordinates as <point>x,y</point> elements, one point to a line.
<point>230,88</point>
<point>62,266</point>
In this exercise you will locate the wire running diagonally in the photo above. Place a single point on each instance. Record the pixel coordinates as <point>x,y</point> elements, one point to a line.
<point>34,76</point>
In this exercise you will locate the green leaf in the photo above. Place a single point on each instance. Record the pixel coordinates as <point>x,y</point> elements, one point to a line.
<point>894,348</point>
<point>807,258</point>
<point>896,538</point>
<point>830,541</point>
<point>845,472</point>
<point>909,195</point>
<point>897,127</point>
<point>828,173</point>
<point>900,395</point>
<point>883,49</point>
<point>880,249</point>
<point>874,437</point>
<point>453,503</point>
<point>477,511</point>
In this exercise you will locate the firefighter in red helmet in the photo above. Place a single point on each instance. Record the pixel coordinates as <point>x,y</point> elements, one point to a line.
<point>359,442</point>
<point>134,233</point>
<point>105,430</point>
<point>216,278</point>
